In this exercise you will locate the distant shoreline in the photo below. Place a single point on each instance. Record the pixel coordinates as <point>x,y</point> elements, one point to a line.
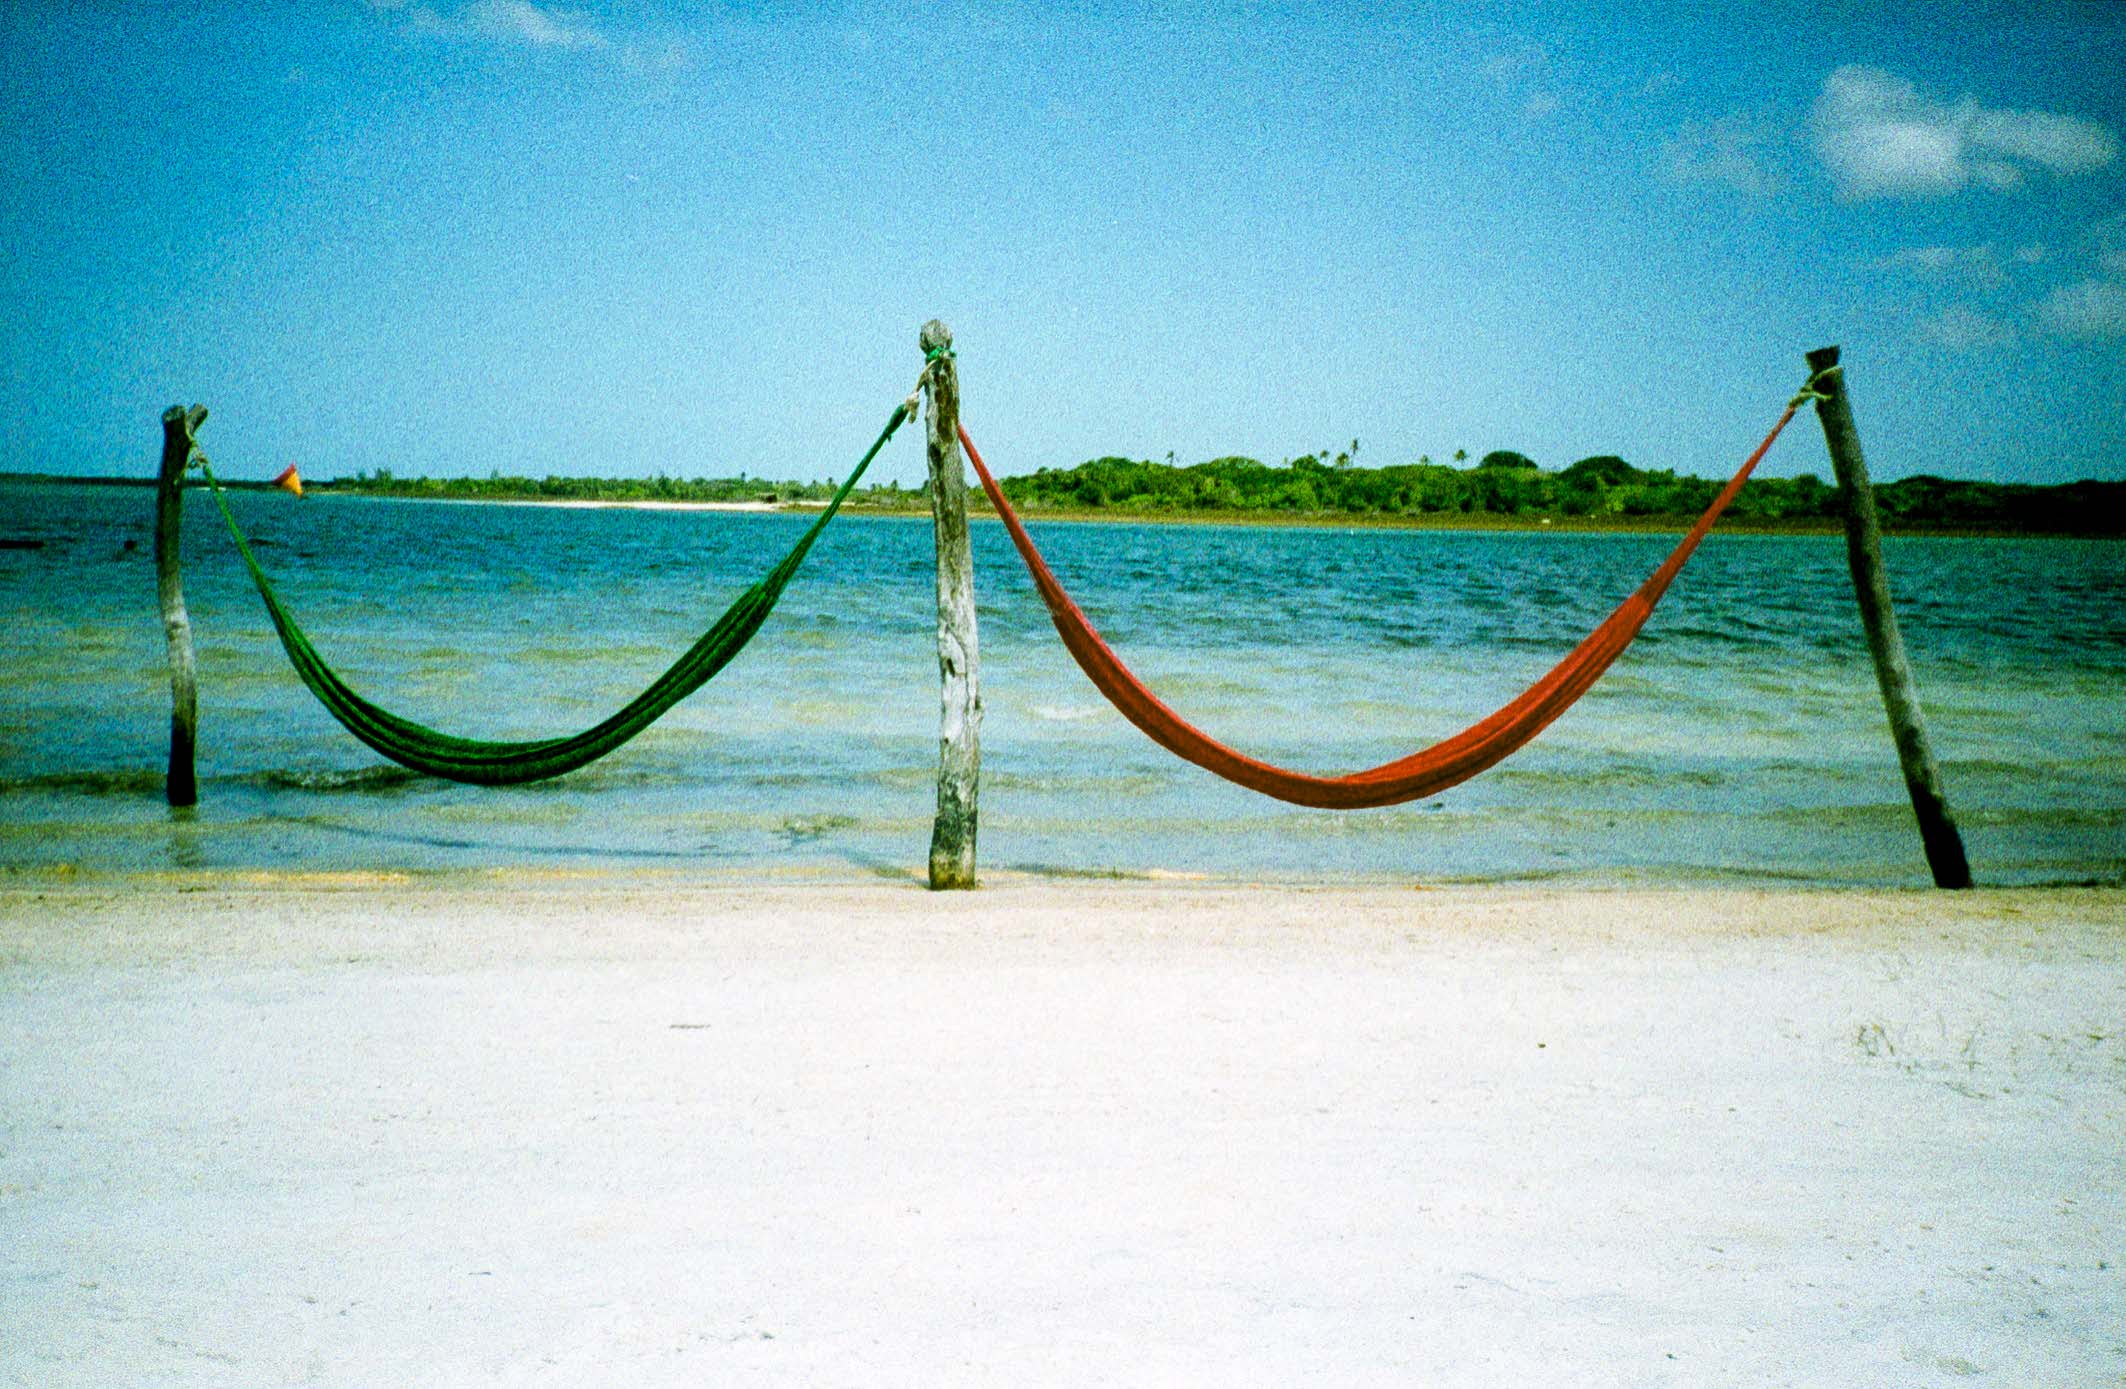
<point>592,504</point>
<point>863,505</point>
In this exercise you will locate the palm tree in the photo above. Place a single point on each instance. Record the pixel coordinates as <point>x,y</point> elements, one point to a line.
<point>1461,455</point>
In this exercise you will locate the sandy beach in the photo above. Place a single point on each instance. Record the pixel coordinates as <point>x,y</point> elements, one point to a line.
<point>520,1131</point>
<point>603,504</point>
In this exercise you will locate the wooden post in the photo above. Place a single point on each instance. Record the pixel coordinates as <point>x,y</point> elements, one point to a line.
<point>178,423</point>
<point>1871,585</point>
<point>952,837</point>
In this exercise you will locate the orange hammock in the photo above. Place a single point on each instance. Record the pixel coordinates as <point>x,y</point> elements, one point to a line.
<point>1444,764</point>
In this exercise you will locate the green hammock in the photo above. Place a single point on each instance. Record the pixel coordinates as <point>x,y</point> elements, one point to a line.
<point>509,763</point>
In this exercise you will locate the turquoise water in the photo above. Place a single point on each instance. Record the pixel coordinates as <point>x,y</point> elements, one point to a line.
<point>1741,738</point>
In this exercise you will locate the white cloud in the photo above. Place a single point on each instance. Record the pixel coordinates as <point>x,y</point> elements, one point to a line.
<point>2063,144</point>
<point>1519,63</point>
<point>1526,74</point>
<point>1729,151</point>
<point>421,18</point>
<point>521,21</point>
<point>669,57</point>
<point>1965,328</point>
<point>1977,266</point>
<point>1880,138</point>
<point>2107,241</point>
<point>2086,309</point>
<point>499,21</point>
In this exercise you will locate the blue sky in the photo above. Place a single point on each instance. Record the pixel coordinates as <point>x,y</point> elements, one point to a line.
<point>450,238</point>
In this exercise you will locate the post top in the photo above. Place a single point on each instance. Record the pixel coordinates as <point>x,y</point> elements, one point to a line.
<point>1822,358</point>
<point>934,336</point>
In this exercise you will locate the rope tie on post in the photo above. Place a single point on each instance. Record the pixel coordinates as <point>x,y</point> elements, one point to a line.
<point>912,407</point>
<point>1808,391</point>
<point>913,404</point>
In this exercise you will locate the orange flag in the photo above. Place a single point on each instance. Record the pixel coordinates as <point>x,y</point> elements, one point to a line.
<point>290,480</point>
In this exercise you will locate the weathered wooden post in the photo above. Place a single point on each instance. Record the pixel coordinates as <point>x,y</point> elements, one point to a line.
<point>178,425</point>
<point>1871,585</point>
<point>952,836</point>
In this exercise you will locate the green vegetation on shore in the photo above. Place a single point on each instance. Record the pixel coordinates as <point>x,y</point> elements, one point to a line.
<point>1509,488</point>
<point>1503,489</point>
<point>497,488</point>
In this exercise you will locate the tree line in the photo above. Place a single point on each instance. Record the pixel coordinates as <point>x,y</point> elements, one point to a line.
<point>1506,484</point>
<point>1503,486</point>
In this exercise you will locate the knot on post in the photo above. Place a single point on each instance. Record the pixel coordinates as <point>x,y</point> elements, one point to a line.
<point>1808,391</point>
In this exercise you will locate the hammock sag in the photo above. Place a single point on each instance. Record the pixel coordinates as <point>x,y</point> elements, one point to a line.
<point>487,763</point>
<point>1448,763</point>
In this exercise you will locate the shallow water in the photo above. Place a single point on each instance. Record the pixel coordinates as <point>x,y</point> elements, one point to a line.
<point>1740,738</point>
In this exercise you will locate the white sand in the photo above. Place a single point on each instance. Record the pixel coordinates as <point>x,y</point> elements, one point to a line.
<point>1074,1133</point>
<point>604,504</point>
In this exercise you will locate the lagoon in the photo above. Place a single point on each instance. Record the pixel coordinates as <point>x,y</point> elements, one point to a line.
<point>1740,739</point>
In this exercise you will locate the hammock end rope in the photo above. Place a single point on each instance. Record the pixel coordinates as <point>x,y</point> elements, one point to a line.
<point>1808,391</point>
<point>914,403</point>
